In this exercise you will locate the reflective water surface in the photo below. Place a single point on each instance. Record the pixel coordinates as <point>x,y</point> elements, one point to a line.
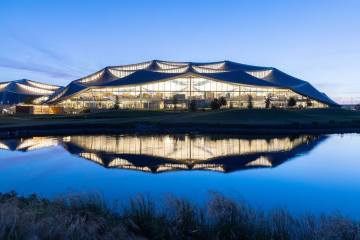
<point>316,173</point>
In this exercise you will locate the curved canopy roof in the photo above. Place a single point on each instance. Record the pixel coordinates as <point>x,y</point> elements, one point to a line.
<point>157,70</point>
<point>18,91</point>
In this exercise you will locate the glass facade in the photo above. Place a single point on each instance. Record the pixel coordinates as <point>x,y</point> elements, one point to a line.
<point>178,92</point>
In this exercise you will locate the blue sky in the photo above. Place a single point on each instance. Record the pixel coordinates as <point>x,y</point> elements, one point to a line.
<point>58,41</point>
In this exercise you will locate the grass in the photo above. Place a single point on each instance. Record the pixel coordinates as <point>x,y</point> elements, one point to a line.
<point>247,119</point>
<point>88,217</point>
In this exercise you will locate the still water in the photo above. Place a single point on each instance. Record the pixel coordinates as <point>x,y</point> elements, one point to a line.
<point>305,173</point>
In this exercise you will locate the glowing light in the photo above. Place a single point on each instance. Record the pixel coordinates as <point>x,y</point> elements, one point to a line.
<point>91,156</point>
<point>214,66</point>
<point>207,70</point>
<point>40,99</point>
<point>37,143</point>
<point>169,65</point>
<point>92,77</point>
<point>170,147</point>
<point>42,85</point>
<point>260,162</point>
<point>120,73</point>
<point>173,70</point>
<point>3,146</point>
<point>35,90</point>
<point>3,85</point>
<point>259,74</point>
<point>133,67</point>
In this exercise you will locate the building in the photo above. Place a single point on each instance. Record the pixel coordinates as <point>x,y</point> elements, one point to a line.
<point>27,97</point>
<point>25,91</point>
<point>168,85</point>
<point>38,109</point>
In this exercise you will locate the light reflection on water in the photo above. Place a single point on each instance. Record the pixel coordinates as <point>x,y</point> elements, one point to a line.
<point>303,173</point>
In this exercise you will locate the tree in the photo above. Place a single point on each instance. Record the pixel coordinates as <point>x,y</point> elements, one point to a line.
<point>267,102</point>
<point>215,104</point>
<point>250,102</point>
<point>117,102</point>
<point>222,101</point>
<point>192,106</point>
<point>175,101</point>
<point>291,102</point>
<point>86,110</point>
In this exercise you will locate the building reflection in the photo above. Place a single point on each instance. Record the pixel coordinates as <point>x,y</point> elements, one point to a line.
<point>165,153</point>
<point>29,144</point>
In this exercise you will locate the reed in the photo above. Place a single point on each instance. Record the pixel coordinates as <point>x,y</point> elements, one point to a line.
<point>87,216</point>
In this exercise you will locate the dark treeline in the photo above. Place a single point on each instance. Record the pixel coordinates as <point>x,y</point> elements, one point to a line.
<point>88,217</point>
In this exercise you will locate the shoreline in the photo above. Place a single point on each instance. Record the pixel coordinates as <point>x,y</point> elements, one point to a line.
<point>148,128</point>
<point>245,121</point>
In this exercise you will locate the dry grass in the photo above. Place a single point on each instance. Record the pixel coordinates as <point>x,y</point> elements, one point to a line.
<point>88,217</point>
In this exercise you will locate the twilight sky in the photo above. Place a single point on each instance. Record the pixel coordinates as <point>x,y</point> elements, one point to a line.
<point>58,41</point>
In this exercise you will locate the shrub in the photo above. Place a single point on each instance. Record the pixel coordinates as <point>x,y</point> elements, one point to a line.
<point>192,106</point>
<point>86,110</point>
<point>88,217</point>
<point>291,102</point>
<point>215,104</point>
<point>222,101</point>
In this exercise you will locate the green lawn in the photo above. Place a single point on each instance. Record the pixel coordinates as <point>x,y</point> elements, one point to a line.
<point>254,117</point>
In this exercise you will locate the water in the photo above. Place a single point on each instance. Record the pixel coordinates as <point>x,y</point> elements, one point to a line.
<point>303,173</point>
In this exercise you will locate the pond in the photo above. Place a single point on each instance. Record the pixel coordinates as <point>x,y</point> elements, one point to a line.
<point>304,173</point>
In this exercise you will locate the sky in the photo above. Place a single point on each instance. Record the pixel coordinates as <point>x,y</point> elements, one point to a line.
<point>59,41</point>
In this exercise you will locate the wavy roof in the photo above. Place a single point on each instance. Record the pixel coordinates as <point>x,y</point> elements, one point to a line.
<point>18,91</point>
<point>157,70</point>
